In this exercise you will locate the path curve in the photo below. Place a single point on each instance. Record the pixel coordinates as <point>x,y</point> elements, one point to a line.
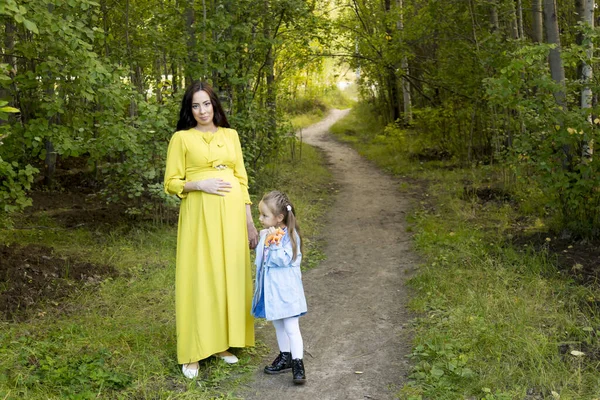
<point>356,333</point>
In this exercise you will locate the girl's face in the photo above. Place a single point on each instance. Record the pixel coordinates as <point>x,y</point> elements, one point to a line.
<point>267,218</point>
<point>202,110</point>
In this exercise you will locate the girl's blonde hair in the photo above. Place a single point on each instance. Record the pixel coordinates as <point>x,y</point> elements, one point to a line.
<point>279,203</point>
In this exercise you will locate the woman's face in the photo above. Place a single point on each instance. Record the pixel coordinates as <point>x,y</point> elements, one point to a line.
<point>202,110</point>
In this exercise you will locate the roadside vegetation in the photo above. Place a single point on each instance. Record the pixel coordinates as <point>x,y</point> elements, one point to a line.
<point>506,308</point>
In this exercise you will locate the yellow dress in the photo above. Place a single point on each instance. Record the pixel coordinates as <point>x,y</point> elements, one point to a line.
<point>213,284</point>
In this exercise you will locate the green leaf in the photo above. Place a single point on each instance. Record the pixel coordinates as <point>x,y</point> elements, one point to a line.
<point>436,372</point>
<point>9,109</point>
<point>31,26</point>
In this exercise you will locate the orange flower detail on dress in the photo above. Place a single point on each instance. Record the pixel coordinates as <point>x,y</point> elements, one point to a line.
<point>275,237</point>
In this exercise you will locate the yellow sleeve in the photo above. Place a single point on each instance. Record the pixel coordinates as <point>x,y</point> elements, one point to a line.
<point>239,168</point>
<point>175,169</point>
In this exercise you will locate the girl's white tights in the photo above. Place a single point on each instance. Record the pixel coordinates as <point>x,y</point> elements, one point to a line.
<point>289,337</point>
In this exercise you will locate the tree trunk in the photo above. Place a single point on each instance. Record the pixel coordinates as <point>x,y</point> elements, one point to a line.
<point>271,101</point>
<point>556,66</point>
<point>128,44</point>
<point>537,24</point>
<point>158,80</point>
<point>174,77</point>
<point>216,84</point>
<point>271,93</point>
<point>407,102</point>
<point>191,69</point>
<point>392,84</point>
<point>49,163</point>
<point>50,160</point>
<point>105,26</point>
<point>586,14</point>
<point>520,18</point>
<point>494,23</point>
<point>514,27</point>
<point>204,44</point>
<point>392,80</point>
<point>132,72</point>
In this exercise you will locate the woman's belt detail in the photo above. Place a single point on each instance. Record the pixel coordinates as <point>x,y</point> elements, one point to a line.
<point>205,173</point>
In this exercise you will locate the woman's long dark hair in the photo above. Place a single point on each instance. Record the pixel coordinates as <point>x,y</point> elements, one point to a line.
<point>186,118</point>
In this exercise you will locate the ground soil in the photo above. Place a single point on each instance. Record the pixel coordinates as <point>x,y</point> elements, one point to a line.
<point>33,276</point>
<point>357,330</point>
<point>577,259</point>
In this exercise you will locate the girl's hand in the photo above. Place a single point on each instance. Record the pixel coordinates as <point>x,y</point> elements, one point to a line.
<point>214,186</point>
<point>274,236</point>
<point>252,233</point>
<point>252,236</point>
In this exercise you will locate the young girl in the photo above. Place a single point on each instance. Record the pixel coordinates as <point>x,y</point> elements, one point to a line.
<point>279,295</point>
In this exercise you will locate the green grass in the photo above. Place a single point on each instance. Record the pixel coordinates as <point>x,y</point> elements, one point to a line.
<point>114,341</point>
<point>117,341</point>
<point>493,321</point>
<point>303,120</point>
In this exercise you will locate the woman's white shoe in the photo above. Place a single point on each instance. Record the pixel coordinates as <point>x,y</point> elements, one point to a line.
<point>227,357</point>
<point>189,372</point>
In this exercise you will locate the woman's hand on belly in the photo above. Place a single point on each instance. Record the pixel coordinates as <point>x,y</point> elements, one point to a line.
<point>213,186</point>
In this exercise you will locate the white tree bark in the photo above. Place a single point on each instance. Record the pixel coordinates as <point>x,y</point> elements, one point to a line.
<point>514,26</point>
<point>586,15</point>
<point>556,66</point>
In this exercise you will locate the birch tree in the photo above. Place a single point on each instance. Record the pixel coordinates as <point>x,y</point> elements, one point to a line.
<point>586,15</point>
<point>555,60</point>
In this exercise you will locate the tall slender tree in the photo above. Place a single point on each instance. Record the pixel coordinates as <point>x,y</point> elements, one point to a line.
<point>537,21</point>
<point>556,65</point>
<point>586,14</point>
<point>406,96</point>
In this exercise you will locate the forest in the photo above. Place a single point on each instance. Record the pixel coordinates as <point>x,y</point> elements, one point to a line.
<point>506,90</point>
<point>504,82</point>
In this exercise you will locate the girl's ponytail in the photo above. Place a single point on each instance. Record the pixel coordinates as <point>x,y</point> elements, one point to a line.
<point>293,230</point>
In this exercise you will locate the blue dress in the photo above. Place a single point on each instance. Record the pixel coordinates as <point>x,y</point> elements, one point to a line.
<point>279,292</point>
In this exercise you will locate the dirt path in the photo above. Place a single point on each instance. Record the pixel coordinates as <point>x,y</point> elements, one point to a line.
<point>357,319</point>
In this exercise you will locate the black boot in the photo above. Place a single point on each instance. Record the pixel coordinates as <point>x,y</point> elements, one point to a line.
<point>283,363</point>
<point>298,371</point>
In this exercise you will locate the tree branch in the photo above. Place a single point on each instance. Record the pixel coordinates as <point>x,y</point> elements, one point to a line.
<point>23,57</point>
